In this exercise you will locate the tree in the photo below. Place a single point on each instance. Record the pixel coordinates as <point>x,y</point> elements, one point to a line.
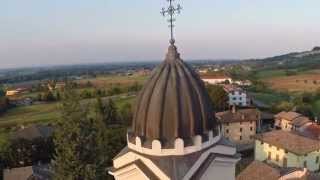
<point>126,114</point>
<point>284,106</point>
<point>4,102</point>
<point>111,114</point>
<point>81,142</point>
<point>22,152</point>
<point>219,97</point>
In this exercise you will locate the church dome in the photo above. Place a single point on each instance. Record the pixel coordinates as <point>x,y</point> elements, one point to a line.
<point>173,104</point>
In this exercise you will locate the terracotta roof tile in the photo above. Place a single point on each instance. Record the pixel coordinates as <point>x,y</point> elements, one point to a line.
<point>259,171</point>
<point>242,115</point>
<point>290,141</point>
<point>288,115</point>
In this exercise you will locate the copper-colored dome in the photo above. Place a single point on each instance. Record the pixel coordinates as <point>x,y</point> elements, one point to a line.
<point>173,104</point>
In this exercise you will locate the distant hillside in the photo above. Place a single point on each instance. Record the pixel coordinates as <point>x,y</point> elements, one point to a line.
<point>298,60</point>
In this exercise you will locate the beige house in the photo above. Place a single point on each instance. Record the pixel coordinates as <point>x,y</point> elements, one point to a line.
<point>288,149</point>
<point>239,126</point>
<point>288,121</point>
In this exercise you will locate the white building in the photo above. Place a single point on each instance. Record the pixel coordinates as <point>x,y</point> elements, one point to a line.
<point>216,79</point>
<point>237,96</point>
<point>174,134</point>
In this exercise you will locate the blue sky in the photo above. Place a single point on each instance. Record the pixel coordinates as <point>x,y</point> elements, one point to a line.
<point>39,32</point>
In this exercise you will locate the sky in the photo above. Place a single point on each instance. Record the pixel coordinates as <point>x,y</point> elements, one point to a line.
<point>50,32</point>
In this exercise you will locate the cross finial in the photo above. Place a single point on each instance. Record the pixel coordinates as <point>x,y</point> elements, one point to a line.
<point>171,11</point>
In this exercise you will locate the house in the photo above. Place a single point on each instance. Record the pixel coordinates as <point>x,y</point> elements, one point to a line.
<point>33,132</point>
<point>288,149</point>
<point>263,171</point>
<point>16,91</point>
<point>288,121</point>
<point>267,121</point>
<point>237,96</point>
<point>312,131</point>
<point>243,83</point>
<point>58,85</point>
<point>37,172</point>
<point>239,126</point>
<point>21,102</point>
<point>216,79</point>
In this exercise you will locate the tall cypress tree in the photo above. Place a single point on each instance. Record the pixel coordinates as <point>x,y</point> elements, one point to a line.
<point>80,141</point>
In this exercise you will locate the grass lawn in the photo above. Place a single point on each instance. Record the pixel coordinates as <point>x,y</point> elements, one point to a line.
<point>108,81</point>
<point>122,101</point>
<point>269,98</point>
<point>30,114</point>
<point>316,107</point>
<point>265,74</point>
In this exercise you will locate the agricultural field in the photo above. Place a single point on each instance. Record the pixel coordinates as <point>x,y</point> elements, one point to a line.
<point>296,83</point>
<point>46,113</point>
<point>110,80</point>
<point>269,98</point>
<point>30,114</point>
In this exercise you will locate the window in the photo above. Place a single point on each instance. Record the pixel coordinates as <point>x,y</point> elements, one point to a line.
<point>251,122</point>
<point>286,151</point>
<point>240,138</point>
<point>285,162</point>
<point>305,165</point>
<point>306,155</point>
<point>227,131</point>
<point>277,158</point>
<point>278,149</point>
<point>261,143</point>
<point>234,98</point>
<point>227,124</point>
<point>251,128</point>
<point>270,145</point>
<point>240,129</point>
<point>317,159</point>
<point>240,123</point>
<point>269,155</point>
<point>240,98</point>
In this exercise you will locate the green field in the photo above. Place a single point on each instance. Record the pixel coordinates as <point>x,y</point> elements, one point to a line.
<point>316,107</point>
<point>45,113</point>
<point>269,98</point>
<point>30,114</point>
<point>265,74</point>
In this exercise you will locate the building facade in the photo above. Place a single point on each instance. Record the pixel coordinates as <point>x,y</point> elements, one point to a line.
<point>289,121</point>
<point>237,96</point>
<point>239,126</point>
<point>216,79</point>
<point>287,149</point>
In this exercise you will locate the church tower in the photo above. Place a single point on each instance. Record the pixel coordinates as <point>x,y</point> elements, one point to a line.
<point>174,135</point>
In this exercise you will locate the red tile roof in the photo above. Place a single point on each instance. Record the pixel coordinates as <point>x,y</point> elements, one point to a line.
<point>290,141</point>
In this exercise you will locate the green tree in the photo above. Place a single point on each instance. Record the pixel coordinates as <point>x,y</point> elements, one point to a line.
<point>111,113</point>
<point>47,96</point>
<point>81,142</point>
<point>219,97</point>
<point>126,115</point>
<point>4,102</point>
<point>284,106</point>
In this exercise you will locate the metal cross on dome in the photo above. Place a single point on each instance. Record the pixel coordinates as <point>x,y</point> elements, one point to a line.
<point>171,11</point>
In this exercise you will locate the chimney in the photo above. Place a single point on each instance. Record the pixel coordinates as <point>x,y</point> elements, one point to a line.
<point>234,110</point>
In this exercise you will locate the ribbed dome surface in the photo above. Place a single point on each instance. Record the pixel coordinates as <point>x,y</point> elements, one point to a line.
<point>173,104</point>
